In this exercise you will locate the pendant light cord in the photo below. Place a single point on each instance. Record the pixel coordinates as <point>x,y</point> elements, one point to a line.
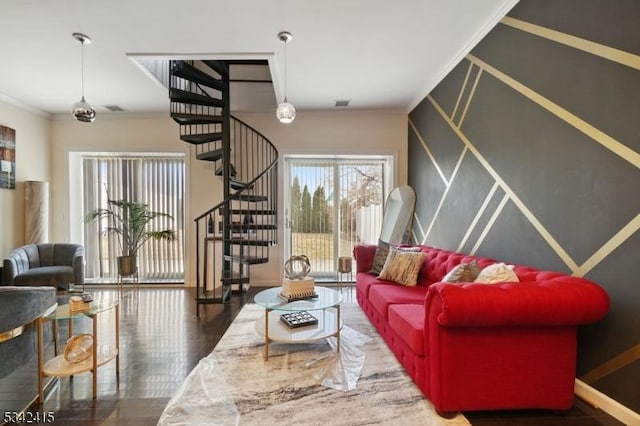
<point>285,71</point>
<point>82,67</point>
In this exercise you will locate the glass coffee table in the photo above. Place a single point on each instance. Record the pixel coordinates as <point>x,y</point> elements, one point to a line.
<point>325,308</point>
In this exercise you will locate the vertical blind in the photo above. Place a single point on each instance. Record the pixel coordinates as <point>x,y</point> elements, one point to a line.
<point>157,181</point>
<point>333,203</point>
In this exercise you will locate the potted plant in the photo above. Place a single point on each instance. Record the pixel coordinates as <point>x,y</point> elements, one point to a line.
<point>129,221</point>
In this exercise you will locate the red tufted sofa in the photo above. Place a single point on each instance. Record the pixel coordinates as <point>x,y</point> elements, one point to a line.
<point>472,346</point>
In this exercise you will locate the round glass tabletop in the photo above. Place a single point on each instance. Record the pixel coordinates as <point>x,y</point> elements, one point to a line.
<point>270,299</point>
<point>65,312</point>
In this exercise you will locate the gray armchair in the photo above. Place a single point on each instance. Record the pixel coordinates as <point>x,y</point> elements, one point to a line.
<point>48,264</point>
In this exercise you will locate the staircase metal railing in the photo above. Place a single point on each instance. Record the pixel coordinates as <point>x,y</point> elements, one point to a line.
<point>252,207</point>
<point>244,223</point>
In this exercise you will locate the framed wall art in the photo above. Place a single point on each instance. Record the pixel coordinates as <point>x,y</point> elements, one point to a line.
<point>7,158</point>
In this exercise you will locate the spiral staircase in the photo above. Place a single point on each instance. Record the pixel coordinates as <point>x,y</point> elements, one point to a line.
<point>235,233</point>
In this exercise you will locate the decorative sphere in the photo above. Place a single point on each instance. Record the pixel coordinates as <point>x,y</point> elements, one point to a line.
<point>286,112</point>
<point>297,267</point>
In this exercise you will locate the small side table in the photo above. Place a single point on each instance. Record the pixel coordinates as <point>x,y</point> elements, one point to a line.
<point>59,366</point>
<point>345,266</point>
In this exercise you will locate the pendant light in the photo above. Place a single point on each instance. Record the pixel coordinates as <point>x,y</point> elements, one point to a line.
<point>82,111</point>
<point>286,113</point>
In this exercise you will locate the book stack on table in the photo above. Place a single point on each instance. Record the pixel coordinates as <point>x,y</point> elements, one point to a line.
<point>298,289</point>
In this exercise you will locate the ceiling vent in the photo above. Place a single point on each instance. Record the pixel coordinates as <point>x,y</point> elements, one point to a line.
<point>114,108</point>
<point>343,102</point>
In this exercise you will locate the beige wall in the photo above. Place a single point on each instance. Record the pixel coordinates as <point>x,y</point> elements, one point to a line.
<point>378,132</point>
<point>32,163</point>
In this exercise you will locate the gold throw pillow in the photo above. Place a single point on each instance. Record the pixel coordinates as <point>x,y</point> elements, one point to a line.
<point>402,267</point>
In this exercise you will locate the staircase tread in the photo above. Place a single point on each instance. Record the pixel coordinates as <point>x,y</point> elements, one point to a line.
<point>184,118</point>
<point>243,238</point>
<point>236,184</point>
<point>250,242</point>
<point>183,96</point>
<point>191,73</point>
<point>203,300</point>
<point>255,226</point>
<point>248,260</point>
<point>250,197</point>
<point>233,278</point>
<point>214,155</point>
<point>254,211</point>
<point>232,274</point>
<point>198,139</point>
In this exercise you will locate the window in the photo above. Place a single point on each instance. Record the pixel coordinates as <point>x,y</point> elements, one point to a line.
<point>157,180</point>
<point>332,204</point>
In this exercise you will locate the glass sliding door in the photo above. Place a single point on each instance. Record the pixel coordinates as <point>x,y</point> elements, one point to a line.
<point>156,180</point>
<point>332,204</point>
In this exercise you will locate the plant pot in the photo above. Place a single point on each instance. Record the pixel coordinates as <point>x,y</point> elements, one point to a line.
<point>127,265</point>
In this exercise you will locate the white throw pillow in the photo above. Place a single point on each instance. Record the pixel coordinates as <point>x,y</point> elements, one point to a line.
<point>497,273</point>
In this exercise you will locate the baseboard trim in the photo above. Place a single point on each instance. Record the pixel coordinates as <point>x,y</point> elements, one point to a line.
<point>612,407</point>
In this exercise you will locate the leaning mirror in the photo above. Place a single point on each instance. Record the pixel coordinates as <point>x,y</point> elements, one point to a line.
<point>398,215</point>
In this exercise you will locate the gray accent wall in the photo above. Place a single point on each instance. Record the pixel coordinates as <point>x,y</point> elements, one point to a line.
<point>528,152</point>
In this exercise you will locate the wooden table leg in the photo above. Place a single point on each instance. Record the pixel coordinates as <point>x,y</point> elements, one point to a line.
<point>118,339</point>
<point>266,334</point>
<point>40,360</point>
<point>338,328</point>
<point>55,338</point>
<point>95,355</point>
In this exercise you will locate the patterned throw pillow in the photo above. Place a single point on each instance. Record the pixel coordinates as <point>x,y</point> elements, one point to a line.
<point>463,273</point>
<point>402,266</point>
<point>497,273</point>
<point>382,251</point>
<point>380,257</point>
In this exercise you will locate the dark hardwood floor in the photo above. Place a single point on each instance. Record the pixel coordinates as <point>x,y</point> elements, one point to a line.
<point>161,340</point>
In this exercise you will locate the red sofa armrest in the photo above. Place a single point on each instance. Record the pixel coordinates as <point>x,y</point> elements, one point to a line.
<point>559,301</point>
<point>364,254</point>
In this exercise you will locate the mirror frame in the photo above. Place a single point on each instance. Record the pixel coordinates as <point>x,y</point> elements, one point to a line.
<point>397,220</point>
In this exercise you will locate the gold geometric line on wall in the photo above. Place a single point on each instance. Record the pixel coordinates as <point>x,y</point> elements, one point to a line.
<point>546,235</point>
<point>473,91</point>
<point>411,236</point>
<point>464,85</point>
<point>489,225</point>
<point>620,237</point>
<point>444,196</point>
<point>606,52</point>
<point>614,364</point>
<point>479,214</point>
<point>599,136</point>
<point>428,151</point>
<point>416,219</point>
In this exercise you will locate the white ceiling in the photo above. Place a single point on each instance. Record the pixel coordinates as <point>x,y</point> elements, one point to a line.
<point>377,53</point>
